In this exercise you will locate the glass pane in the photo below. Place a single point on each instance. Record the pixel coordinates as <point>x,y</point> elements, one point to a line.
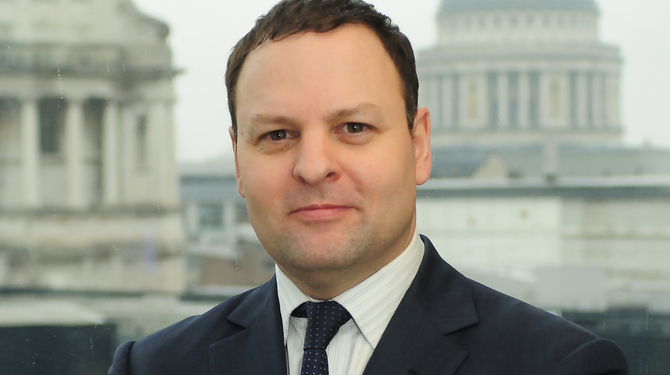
<point>119,204</point>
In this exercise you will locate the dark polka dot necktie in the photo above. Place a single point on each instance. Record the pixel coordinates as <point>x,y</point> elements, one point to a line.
<point>324,319</point>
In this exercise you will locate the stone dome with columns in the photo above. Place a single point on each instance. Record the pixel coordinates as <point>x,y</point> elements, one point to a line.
<point>515,71</point>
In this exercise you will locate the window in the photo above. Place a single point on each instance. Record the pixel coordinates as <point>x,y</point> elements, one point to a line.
<point>210,216</point>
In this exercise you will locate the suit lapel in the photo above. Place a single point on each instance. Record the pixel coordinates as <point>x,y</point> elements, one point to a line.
<point>417,340</point>
<point>259,347</point>
<point>412,345</point>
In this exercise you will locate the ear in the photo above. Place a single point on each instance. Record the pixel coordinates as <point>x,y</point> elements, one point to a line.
<point>423,157</point>
<point>240,187</point>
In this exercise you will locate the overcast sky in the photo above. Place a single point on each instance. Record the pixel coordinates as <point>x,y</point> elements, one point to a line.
<point>204,31</point>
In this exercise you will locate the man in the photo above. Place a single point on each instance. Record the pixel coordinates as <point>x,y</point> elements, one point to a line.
<point>329,147</point>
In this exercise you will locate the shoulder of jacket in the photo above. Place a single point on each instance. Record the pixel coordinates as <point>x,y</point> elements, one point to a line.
<point>187,341</point>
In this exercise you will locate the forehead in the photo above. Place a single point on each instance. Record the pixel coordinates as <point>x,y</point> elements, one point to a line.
<point>347,62</point>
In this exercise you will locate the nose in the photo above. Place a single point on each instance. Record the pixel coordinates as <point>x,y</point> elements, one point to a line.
<point>316,160</point>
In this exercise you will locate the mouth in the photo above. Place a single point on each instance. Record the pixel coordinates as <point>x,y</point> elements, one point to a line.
<point>320,211</point>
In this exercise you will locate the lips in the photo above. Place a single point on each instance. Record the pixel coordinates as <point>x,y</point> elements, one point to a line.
<point>320,211</point>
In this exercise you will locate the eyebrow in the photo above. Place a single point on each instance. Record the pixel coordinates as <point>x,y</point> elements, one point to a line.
<point>260,119</point>
<point>348,112</point>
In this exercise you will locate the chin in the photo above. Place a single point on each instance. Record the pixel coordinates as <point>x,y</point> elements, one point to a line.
<point>322,256</point>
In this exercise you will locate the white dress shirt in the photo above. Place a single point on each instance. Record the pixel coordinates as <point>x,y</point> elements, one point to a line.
<point>371,304</point>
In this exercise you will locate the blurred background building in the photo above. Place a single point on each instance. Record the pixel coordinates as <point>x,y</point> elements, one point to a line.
<point>91,232</point>
<point>223,249</point>
<point>532,190</point>
<point>88,182</point>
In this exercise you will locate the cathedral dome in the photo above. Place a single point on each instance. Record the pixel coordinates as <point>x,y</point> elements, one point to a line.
<point>473,5</point>
<point>515,70</point>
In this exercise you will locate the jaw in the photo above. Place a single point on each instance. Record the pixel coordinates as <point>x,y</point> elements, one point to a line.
<point>323,263</point>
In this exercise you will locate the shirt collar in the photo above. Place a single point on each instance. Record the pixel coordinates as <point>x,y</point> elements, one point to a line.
<point>372,302</point>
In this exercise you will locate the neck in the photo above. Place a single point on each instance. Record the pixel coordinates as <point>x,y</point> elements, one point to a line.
<point>321,285</point>
<point>326,284</point>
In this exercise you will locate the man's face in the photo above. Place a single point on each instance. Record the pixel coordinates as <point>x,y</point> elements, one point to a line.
<point>324,155</point>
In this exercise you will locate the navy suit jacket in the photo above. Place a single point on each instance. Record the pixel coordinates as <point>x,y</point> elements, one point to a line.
<point>445,324</point>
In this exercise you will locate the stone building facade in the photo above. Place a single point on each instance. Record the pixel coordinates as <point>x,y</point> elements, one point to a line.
<point>514,71</point>
<point>88,182</point>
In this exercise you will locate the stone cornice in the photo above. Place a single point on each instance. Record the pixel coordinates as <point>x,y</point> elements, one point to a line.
<point>116,63</point>
<point>442,54</point>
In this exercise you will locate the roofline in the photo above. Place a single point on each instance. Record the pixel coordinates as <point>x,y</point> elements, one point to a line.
<point>447,6</point>
<point>539,182</point>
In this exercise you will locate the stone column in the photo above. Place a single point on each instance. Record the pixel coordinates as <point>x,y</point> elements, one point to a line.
<point>543,102</point>
<point>582,100</point>
<point>161,154</point>
<point>463,121</point>
<point>524,100</point>
<point>503,99</point>
<point>597,100</point>
<point>535,99</point>
<point>30,152</point>
<point>463,100</point>
<point>74,153</point>
<point>446,102</point>
<point>110,159</point>
<point>565,100</point>
<point>433,100</point>
<point>128,119</point>
<point>172,197</point>
<point>156,149</point>
<point>484,110</point>
<point>613,104</point>
<point>604,101</point>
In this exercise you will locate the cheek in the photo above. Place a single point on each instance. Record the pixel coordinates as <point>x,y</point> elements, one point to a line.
<point>261,181</point>
<point>392,159</point>
<point>383,174</point>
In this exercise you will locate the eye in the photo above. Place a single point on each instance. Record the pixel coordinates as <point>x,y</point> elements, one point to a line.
<point>277,135</point>
<point>353,127</point>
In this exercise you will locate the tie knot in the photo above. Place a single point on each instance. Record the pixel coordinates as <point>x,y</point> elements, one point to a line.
<point>324,319</point>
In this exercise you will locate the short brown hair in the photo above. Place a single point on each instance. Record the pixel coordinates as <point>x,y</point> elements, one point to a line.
<point>290,17</point>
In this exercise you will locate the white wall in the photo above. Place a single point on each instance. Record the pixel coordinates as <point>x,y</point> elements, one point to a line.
<point>493,234</point>
<point>631,238</point>
<point>557,253</point>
